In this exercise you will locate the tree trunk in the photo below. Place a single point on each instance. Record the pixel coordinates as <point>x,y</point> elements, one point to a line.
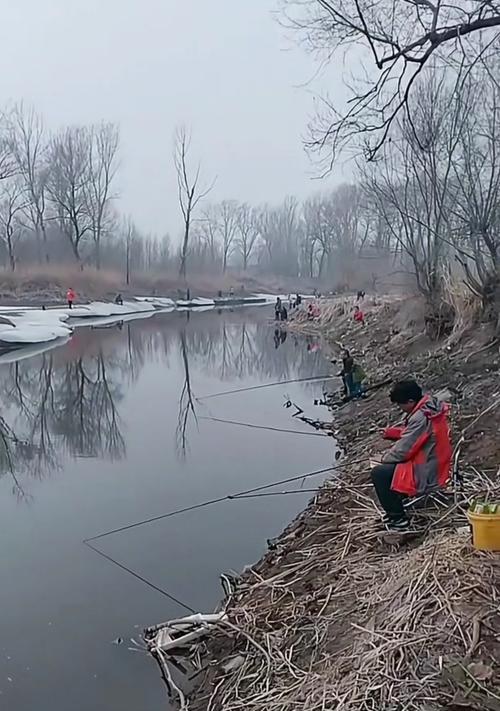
<point>185,242</point>
<point>10,248</point>
<point>38,245</point>
<point>127,266</point>
<point>76,253</point>
<point>45,245</point>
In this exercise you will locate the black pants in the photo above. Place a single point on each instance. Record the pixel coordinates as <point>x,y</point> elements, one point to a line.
<point>70,304</point>
<point>391,501</point>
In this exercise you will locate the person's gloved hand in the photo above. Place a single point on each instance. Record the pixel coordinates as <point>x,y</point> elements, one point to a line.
<point>393,433</point>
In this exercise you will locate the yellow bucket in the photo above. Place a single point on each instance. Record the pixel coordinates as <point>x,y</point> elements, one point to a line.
<point>485,531</point>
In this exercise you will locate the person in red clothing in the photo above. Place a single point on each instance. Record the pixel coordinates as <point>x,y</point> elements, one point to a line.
<point>70,296</point>
<point>359,315</point>
<point>420,458</point>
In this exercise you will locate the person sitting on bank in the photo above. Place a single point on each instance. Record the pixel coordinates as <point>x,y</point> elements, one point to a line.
<point>359,316</point>
<point>420,459</point>
<point>119,300</point>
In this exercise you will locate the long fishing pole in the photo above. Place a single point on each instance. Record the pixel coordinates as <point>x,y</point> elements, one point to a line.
<point>227,497</point>
<point>262,427</point>
<point>163,592</point>
<point>317,378</point>
<point>249,493</point>
<point>277,493</point>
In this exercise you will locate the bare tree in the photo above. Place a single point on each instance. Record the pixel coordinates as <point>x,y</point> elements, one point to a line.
<point>247,233</point>
<point>68,184</point>
<point>103,150</point>
<point>129,233</point>
<point>12,203</point>
<point>209,234</point>
<point>398,39</point>
<point>28,149</point>
<point>227,225</point>
<point>476,203</point>
<point>415,187</point>
<point>189,187</point>
<point>8,166</point>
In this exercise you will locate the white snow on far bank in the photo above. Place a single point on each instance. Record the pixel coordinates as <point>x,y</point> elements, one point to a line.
<point>196,302</point>
<point>31,333</point>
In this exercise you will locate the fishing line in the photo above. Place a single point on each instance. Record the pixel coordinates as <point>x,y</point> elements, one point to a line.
<point>262,427</point>
<point>317,378</point>
<point>227,497</point>
<point>139,577</point>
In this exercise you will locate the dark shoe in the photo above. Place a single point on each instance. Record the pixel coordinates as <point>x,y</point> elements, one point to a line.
<point>399,524</point>
<point>388,518</point>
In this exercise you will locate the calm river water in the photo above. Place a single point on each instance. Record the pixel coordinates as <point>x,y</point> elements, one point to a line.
<point>107,430</point>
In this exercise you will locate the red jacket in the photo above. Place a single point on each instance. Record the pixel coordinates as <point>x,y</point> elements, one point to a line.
<point>422,452</point>
<point>359,316</point>
<point>70,295</point>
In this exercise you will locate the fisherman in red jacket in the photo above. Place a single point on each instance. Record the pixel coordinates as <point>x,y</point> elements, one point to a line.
<point>70,296</point>
<point>359,315</point>
<point>421,457</point>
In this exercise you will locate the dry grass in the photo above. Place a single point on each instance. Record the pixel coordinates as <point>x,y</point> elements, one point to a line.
<point>338,622</point>
<point>465,306</point>
<point>335,616</point>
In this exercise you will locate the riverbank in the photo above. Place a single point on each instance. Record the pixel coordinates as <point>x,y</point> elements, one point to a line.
<point>48,285</point>
<point>333,616</point>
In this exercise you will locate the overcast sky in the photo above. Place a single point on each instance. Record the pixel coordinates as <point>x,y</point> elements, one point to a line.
<point>223,67</point>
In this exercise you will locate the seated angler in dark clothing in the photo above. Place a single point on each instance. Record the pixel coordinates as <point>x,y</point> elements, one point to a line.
<point>420,458</point>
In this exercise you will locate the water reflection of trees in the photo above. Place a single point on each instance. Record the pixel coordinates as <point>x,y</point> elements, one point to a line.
<point>67,402</point>
<point>50,410</point>
<point>236,350</point>
<point>85,412</point>
<point>187,408</point>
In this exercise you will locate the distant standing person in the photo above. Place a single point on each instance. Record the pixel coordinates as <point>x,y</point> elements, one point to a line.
<point>70,297</point>
<point>277,309</point>
<point>119,300</point>
<point>352,375</point>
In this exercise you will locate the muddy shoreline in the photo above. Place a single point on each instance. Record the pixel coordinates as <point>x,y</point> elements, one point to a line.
<point>310,627</point>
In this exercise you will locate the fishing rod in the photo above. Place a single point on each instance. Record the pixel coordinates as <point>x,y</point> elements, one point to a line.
<point>226,497</point>
<point>278,493</point>
<point>262,427</point>
<point>249,493</point>
<point>317,378</point>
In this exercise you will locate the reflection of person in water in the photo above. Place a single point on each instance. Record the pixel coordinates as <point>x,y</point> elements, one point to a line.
<point>313,347</point>
<point>280,335</point>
